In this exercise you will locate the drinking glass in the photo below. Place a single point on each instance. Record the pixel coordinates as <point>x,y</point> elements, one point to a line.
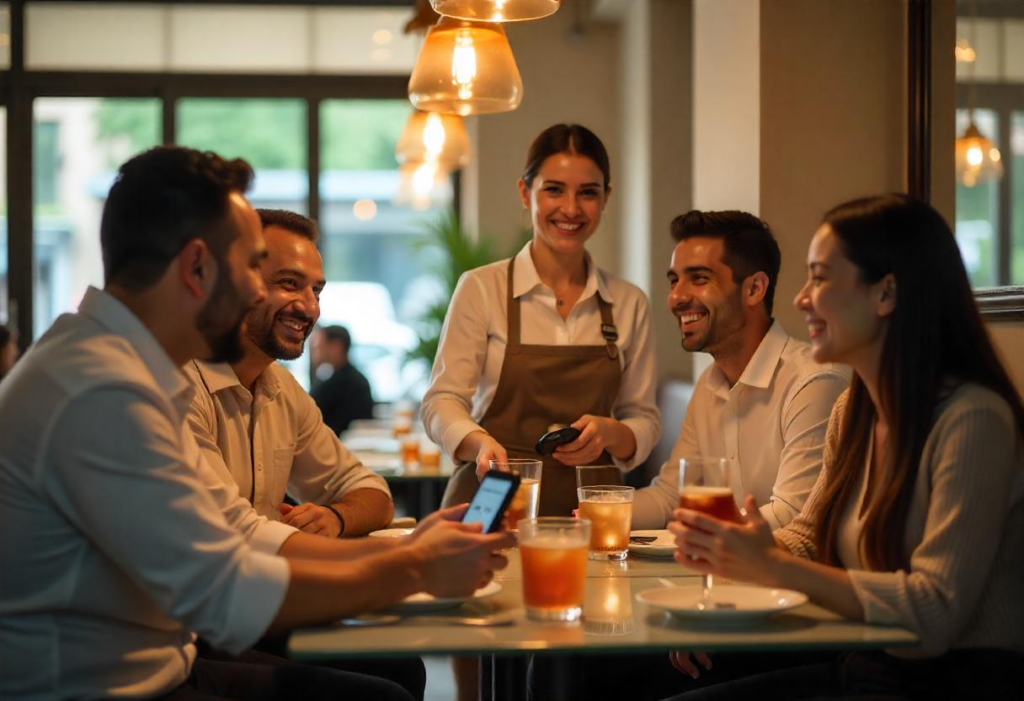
<point>554,559</point>
<point>609,508</point>
<point>709,485</point>
<point>526,501</point>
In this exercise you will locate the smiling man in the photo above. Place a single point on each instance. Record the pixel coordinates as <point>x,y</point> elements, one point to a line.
<point>764,403</point>
<point>259,428</point>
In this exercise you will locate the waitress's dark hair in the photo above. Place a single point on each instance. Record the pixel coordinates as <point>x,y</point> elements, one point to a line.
<point>935,335</point>
<point>566,138</point>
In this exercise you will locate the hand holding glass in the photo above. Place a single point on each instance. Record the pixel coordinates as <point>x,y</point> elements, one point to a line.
<point>709,485</point>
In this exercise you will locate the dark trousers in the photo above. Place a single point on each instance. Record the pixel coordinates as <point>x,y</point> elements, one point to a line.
<point>646,677</point>
<point>876,676</point>
<point>258,676</point>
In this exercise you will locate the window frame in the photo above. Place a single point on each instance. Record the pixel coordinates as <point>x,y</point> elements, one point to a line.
<point>1004,303</point>
<point>19,88</point>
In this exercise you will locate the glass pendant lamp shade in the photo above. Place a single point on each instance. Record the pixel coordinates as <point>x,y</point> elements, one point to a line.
<point>465,68</point>
<point>496,10</point>
<point>977,158</point>
<point>422,186</point>
<point>434,138</point>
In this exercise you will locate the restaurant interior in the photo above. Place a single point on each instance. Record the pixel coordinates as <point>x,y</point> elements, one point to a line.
<point>781,108</point>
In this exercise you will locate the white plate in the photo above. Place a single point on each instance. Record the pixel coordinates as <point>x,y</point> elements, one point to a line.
<point>748,603</point>
<point>424,603</point>
<point>664,546</point>
<point>391,533</point>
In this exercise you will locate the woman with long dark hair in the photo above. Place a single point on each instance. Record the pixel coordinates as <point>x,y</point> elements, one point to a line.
<point>917,518</point>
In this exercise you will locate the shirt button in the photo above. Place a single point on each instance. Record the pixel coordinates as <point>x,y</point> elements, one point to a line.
<point>732,456</point>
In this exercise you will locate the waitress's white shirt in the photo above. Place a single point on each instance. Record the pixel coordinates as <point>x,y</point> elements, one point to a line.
<point>475,333</point>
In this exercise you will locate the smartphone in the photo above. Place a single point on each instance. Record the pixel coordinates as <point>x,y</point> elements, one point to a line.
<point>552,439</point>
<point>492,499</point>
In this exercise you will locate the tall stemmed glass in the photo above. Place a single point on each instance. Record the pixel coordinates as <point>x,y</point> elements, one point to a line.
<point>711,486</point>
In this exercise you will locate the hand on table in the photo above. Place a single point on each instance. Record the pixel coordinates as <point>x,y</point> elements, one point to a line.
<point>457,559</point>
<point>596,434</point>
<point>682,661</point>
<point>742,551</point>
<point>310,518</point>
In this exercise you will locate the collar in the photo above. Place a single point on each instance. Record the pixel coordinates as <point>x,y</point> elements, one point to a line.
<point>110,313</point>
<point>221,376</point>
<point>526,278</point>
<point>760,370</point>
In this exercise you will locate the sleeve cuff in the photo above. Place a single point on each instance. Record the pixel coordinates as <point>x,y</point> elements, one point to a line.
<point>455,434</point>
<point>879,594</point>
<point>258,592</point>
<point>269,536</point>
<point>642,434</point>
<point>794,543</point>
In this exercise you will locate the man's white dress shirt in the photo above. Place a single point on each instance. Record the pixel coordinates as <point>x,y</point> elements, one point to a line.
<point>116,538</point>
<point>472,348</point>
<point>770,425</point>
<point>292,449</point>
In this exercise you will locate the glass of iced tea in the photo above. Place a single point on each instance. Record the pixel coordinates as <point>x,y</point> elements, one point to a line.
<point>609,509</point>
<point>526,501</point>
<point>709,485</point>
<point>554,559</point>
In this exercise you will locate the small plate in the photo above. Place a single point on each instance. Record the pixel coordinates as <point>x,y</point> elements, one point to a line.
<point>391,533</point>
<point>746,603</point>
<point>663,547</point>
<point>424,603</point>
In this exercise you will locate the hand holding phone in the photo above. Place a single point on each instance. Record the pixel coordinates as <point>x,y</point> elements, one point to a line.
<point>552,439</point>
<point>491,500</point>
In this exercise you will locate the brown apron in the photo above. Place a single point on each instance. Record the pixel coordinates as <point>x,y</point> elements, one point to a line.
<point>543,385</point>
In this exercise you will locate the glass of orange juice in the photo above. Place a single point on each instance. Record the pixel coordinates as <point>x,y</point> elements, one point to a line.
<point>554,560</point>
<point>526,501</point>
<point>609,509</point>
<point>709,485</point>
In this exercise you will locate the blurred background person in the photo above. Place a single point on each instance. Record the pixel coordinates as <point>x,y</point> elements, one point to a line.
<point>341,391</point>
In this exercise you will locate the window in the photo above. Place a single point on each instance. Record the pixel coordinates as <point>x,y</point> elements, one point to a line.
<point>78,145</point>
<point>990,214</point>
<point>378,279</point>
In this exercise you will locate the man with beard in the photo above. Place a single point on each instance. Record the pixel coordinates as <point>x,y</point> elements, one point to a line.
<point>256,424</point>
<point>764,403</point>
<point>117,539</point>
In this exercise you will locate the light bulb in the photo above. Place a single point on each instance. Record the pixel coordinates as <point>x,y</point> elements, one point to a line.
<point>465,68</point>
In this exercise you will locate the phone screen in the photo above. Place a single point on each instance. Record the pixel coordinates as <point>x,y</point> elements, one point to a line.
<point>488,506</point>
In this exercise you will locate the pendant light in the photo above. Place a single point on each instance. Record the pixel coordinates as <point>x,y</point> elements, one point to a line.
<point>465,68</point>
<point>422,186</point>
<point>496,10</point>
<point>977,158</point>
<point>434,138</point>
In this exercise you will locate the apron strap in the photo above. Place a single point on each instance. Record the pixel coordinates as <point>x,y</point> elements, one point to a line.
<point>611,335</point>
<point>608,327</point>
<point>513,308</point>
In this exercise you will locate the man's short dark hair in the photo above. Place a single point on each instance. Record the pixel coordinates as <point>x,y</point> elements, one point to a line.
<point>162,199</point>
<point>291,221</point>
<point>340,334</point>
<point>750,246</point>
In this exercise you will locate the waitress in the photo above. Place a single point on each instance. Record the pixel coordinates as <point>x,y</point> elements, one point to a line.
<point>547,338</point>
